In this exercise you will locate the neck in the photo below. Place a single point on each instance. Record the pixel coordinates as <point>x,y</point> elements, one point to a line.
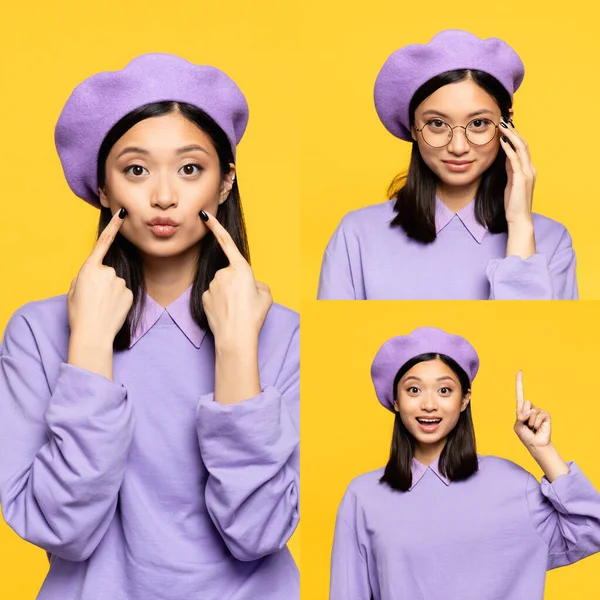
<point>429,453</point>
<point>457,197</point>
<point>166,278</point>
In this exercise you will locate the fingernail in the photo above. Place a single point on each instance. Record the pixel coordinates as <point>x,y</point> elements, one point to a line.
<point>504,125</point>
<point>512,124</point>
<point>504,138</point>
<point>203,216</point>
<point>122,213</point>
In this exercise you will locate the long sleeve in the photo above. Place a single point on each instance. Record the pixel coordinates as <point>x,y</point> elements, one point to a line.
<point>251,451</point>
<point>538,277</point>
<point>349,571</point>
<point>62,450</point>
<point>336,281</point>
<point>566,515</point>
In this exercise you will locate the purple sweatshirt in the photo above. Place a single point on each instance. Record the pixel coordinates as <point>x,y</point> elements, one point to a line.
<point>145,488</point>
<point>366,259</point>
<point>491,537</point>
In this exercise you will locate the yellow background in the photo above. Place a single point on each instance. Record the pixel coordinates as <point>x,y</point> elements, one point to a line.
<point>46,49</point>
<point>347,432</point>
<point>349,158</point>
<point>307,70</point>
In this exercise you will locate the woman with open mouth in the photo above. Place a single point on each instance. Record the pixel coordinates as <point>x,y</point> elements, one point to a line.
<point>149,419</point>
<point>459,224</point>
<point>441,521</point>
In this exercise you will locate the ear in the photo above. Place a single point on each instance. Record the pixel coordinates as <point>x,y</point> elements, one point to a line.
<point>103,197</point>
<point>511,113</point>
<point>396,407</point>
<point>465,401</point>
<point>227,184</point>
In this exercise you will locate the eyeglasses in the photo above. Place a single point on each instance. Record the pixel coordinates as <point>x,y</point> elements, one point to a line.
<point>438,133</point>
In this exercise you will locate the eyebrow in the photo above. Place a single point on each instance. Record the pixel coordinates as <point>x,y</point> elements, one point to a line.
<point>183,150</point>
<point>483,111</point>
<point>132,150</point>
<point>442,378</point>
<point>192,148</point>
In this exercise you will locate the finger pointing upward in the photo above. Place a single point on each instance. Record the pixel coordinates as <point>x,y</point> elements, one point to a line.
<point>520,397</point>
<point>107,237</point>
<point>224,238</point>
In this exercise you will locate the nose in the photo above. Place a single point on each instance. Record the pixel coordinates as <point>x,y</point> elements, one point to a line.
<point>164,194</point>
<point>429,402</point>
<point>459,144</point>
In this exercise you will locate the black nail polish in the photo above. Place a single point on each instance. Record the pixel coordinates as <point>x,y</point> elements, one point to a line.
<point>504,138</point>
<point>122,213</point>
<point>504,125</point>
<point>203,216</point>
<point>512,124</point>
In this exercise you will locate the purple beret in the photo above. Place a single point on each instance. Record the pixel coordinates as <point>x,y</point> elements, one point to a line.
<point>408,68</point>
<point>399,350</point>
<point>98,103</point>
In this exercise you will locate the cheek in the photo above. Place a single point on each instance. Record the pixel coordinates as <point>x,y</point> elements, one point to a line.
<point>487,154</point>
<point>429,155</point>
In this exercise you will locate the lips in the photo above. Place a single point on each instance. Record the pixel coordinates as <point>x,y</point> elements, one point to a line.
<point>428,424</point>
<point>163,227</point>
<point>458,166</point>
<point>163,221</point>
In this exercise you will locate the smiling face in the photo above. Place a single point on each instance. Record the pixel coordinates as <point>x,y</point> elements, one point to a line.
<point>460,163</point>
<point>164,171</point>
<point>430,401</point>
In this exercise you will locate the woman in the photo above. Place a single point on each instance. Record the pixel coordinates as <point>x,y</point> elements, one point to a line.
<point>459,224</point>
<point>149,419</point>
<point>442,522</point>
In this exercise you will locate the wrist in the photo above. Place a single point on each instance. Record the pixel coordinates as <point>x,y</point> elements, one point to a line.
<point>237,344</point>
<point>521,223</point>
<point>541,452</point>
<point>90,341</point>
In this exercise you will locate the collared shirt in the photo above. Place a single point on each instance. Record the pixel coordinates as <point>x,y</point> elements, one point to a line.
<point>418,469</point>
<point>144,487</point>
<point>490,537</point>
<point>366,259</point>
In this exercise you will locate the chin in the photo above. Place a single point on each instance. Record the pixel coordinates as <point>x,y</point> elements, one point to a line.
<point>164,248</point>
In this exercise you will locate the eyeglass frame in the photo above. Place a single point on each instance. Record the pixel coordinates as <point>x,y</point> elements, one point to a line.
<point>456,127</point>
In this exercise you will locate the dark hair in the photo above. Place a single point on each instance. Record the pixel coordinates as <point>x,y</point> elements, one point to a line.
<point>124,257</point>
<point>415,190</point>
<point>458,459</point>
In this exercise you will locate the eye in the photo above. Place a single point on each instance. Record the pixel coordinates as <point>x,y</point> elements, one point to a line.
<point>479,124</point>
<point>436,124</point>
<point>445,391</point>
<point>190,169</point>
<point>135,170</point>
<point>412,390</point>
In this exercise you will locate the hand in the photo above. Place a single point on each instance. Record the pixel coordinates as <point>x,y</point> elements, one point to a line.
<point>518,195</point>
<point>533,425</point>
<point>99,301</point>
<point>236,305</point>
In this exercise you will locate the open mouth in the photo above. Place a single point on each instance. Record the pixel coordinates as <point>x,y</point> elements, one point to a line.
<point>428,425</point>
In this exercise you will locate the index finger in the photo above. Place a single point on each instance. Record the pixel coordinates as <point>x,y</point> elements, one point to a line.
<point>520,397</point>
<point>106,238</point>
<point>224,238</point>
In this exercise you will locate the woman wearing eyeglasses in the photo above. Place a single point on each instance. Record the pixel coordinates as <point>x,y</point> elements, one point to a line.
<point>459,223</point>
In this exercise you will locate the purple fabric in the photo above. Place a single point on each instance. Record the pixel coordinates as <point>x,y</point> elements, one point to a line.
<point>492,536</point>
<point>145,488</point>
<point>408,68</point>
<point>366,259</point>
<point>399,350</point>
<point>103,99</point>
